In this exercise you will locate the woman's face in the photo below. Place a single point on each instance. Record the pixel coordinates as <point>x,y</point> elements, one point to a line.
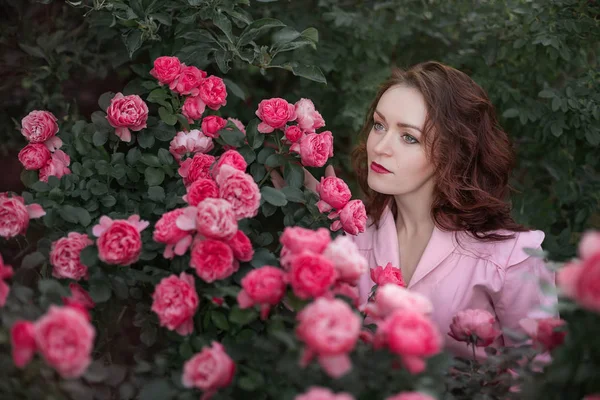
<point>397,159</point>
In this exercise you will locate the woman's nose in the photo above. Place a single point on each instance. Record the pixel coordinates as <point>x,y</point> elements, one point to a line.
<point>383,146</point>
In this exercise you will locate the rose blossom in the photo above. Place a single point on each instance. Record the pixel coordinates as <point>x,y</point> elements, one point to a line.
<point>241,246</point>
<point>201,189</point>
<point>209,370</point>
<point>330,330</point>
<point>411,396</point>
<point>333,193</point>
<point>474,325</point>
<point>119,241</point>
<point>213,260</point>
<point>353,218</point>
<point>346,258</point>
<point>238,124</point>
<point>264,286</point>
<point>311,275</point>
<point>193,108</point>
<point>175,301</point>
<point>22,339</point>
<point>6,272</point>
<point>79,296</point>
<point>589,244</point>
<point>543,331</point>
<point>274,113</point>
<point>187,81</point>
<point>391,297</point>
<point>389,274</point>
<point>298,239</point>
<point>240,190</point>
<point>39,126</point>
<point>316,148</point>
<point>212,124</point>
<point>346,290</point>
<point>65,338</point>
<point>232,158</point>
<point>166,231</point>
<point>166,69</point>
<point>15,215</point>
<point>321,393</point>
<point>587,288</point>
<point>215,219</point>
<point>293,133</point>
<point>196,168</point>
<point>64,256</point>
<point>213,92</point>
<point>34,156</point>
<point>58,166</point>
<point>309,119</point>
<point>186,143</point>
<point>125,113</point>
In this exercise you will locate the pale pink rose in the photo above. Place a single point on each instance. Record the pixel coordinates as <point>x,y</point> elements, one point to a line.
<point>39,126</point>
<point>193,108</point>
<point>213,260</point>
<point>346,258</point>
<point>411,396</point>
<point>298,239</point>
<point>309,119</point>
<point>346,290</point>
<point>22,339</point>
<point>285,258</point>
<point>119,241</point>
<point>321,393</point>
<point>212,124</point>
<point>216,219</point>
<point>589,244</point>
<point>474,326</point>
<point>391,297</point>
<point>316,148</point>
<point>66,339</point>
<point>175,301</point>
<point>166,231</point>
<point>293,133</point>
<point>15,215</point>
<point>330,330</point>
<point>353,218</point>
<point>587,290</point>
<point>567,278</point>
<point>54,143</point>
<point>274,113</point>
<point>189,143</point>
<point>240,190</point>
<point>166,69</point>
<point>213,92</point>
<point>201,189</point>
<point>187,81</point>
<point>264,286</point>
<point>58,166</point>
<point>34,156</point>
<point>544,331</point>
<point>333,193</point>
<point>6,272</point>
<point>390,274</point>
<point>241,246</point>
<point>195,168</point>
<point>79,296</point>
<point>233,158</point>
<point>238,124</point>
<point>311,275</point>
<point>64,256</point>
<point>125,113</point>
<point>209,370</point>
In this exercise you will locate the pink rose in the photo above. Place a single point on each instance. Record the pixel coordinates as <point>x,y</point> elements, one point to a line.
<point>333,193</point>
<point>330,330</point>
<point>298,239</point>
<point>193,108</point>
<point>588,285</point>
<point>353,218</point>
<point>125,113</point>
<point>187,81</point>
<point>293,133</point>
<point>15,215</point>
<point>213,92</point>
<point>232,158</point>
<point>274,114</point>
<point>391,297</point>
<point>567,278</point>
<point>201,189</point>
<point>589,244</point>
<point>316,148</point>
<point>34,156</point>
<point>195,168</point>
<point>64,256</point>
<point>411,396</point>
<point>309,119</point>
<point>320,393</point>
<point>212,124</point>
<point>346,290</point>
<point>241,246</point>
<point>285,258</point>
<point>240,190</point>
<point>264,286</point>
<point>215,219</point>
<point>186,143</point>
<point>166,231</point>
<point>213,260</point>
<point>79,296</point>
<point>58,166</point>
<point>311,275</point>
<point>119,241</point>
<point>474,327</point>
<point>349,263</point>
<point>209,370</point>
<point>543,331</point>
<point>22,338</point>
<point>175,301</point>
<point>6,272</point>
<point>65,338</point>
<point>39,126</point>
<point>238,124</point>
<point>389,274</point>
<point>166,69</point>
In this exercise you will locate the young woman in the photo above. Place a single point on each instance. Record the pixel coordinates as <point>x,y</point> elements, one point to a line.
<point>434,166</point>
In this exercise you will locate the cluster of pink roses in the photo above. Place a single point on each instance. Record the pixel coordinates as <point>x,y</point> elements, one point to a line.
<point>15,215</point>
<point>42,153</point>
<point>335,197</point>
<point>320,393</point>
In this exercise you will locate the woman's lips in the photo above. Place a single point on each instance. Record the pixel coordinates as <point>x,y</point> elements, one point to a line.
<point>380,169</point>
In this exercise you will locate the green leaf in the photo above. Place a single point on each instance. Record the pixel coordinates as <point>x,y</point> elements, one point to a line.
<point>263,257</point>
<point>100,290</point>
<point>294,175</point>
<point>33,260</point>
<point>310,72</point>
<point>511,113</point>
<point>29,177</point>
<point>293,194</point>
<point>546,94</point>
<point>158,389</point>
<point>108,201</point>
<point>222,58</point>
<point>235,89</point>
<point>165,157</point>
<point>98,188</point>
<point>248,154</point>
<point>100,138</point>
<point>556,103</point>
<point>52,287</point>
<point>162,18</point>
<point>241,317</point>
<point>83,216</point>
<point>89,256</point>
<point>257,171</point>
<point>273,196</point>
<point>224,24</point>
<point>133,41</point>
<point>311,34</point>
<point>219,319</point>
<point>264,154</point>
<point>148,335</point>
<point>133,156</point>
<point>592,135</point>
<point>156,193</point>
<point>254,137</point>
<point>167,117</point>
<point>158,95</point>
<point>163,132</point>
<point>151,160</point>
<point>556,129</point>
<point>68,213</point>
<point>232,136</point>
<point>154,176</point>
<point>275,160</point>
<point>32,51</point>
<point>145,139</point>
<point>104,100</point>
<point>100,122</point>
<point>257,29</point>
<point>41,187</point>
<point>285,35</point>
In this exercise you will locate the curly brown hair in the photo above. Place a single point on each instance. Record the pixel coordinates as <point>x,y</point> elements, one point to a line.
<point>472,155</point>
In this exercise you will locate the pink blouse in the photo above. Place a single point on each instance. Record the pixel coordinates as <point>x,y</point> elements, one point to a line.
<point>495,276</point>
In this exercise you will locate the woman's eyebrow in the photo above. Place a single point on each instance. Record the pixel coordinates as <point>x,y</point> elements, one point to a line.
<point>400,124</point>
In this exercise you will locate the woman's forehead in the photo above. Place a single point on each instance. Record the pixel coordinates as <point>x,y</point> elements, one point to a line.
<point>402,104</point>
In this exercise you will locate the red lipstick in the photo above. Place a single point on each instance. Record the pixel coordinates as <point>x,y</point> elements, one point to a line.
<point>380,169</point>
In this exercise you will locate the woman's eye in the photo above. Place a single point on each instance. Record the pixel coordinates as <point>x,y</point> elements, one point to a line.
<point>377,126</point>
<point>409,139</point>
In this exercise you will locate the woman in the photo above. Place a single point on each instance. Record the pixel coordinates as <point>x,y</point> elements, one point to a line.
<point>434,166</point>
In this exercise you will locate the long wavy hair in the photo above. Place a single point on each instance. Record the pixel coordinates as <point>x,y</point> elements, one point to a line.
<point>472,155</point>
